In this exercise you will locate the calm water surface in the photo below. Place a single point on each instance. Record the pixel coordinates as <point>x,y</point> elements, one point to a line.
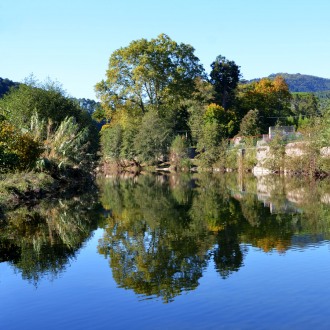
<point>171,252</point>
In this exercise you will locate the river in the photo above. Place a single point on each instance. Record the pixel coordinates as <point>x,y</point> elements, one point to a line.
<point>183,251</point>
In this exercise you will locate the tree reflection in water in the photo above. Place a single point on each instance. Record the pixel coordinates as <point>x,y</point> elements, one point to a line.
<point>162,231</point>
<point>153,247</point>
<point>40,241</point>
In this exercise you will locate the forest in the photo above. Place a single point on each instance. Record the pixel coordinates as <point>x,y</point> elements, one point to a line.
<point>157,105</point>
<point>158,100</point>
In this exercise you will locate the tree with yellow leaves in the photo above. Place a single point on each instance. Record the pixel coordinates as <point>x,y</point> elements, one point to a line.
<point>270,97</point>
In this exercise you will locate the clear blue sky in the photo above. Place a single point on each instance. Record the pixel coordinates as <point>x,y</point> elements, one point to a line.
<point>72,40</point>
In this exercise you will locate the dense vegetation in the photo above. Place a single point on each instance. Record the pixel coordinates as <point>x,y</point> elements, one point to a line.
<point>43,130</point>
<point>324,100</point>
<point>156,102</point>
<point>157,92</point>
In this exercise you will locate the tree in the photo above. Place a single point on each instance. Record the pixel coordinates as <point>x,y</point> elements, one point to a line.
<point>149,74</point>
<point>48,102</point>
<point>200,98</point>
<point>270,97</point>
<point>250,124</point>
<point>179,153</point>
<point>99,114</point>
<point>305,107</point>
<point>209,125</point>
<point>6,85</point>
<point>304,104</point>
<point>224,76</point>
<point>153,138</point>
<point>88,105</point>
<point>111,141</point>
<point>323,99</point>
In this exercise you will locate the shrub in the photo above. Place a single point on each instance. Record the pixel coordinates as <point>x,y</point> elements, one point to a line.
<point>17,150</point>
<point>67,144</point>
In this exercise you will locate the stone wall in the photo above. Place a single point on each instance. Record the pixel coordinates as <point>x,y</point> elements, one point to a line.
<point>292,150</point>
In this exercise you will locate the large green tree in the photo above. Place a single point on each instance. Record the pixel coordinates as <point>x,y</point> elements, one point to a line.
<point>224,77</point>
<point>149,74</point>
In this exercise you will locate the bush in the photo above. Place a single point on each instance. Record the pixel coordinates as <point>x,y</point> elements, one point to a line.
<point>17,150</point>
<point>68,144</point>
<point>48,102</point>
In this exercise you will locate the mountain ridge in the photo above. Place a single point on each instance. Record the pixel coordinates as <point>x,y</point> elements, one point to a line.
<point>298,82</point>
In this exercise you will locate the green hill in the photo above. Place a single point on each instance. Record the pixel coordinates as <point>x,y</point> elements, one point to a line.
<point>304,83</point>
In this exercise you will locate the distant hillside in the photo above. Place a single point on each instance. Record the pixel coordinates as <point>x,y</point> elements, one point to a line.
<point>5,85</point>
<point>304,83</point>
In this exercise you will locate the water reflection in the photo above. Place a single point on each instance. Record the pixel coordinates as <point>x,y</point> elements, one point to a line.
<point>162,231</point>
<point>40,241</point>
<point>153,247</point>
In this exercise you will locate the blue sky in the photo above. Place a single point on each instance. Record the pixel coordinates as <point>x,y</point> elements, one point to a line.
<point>71,40</point>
